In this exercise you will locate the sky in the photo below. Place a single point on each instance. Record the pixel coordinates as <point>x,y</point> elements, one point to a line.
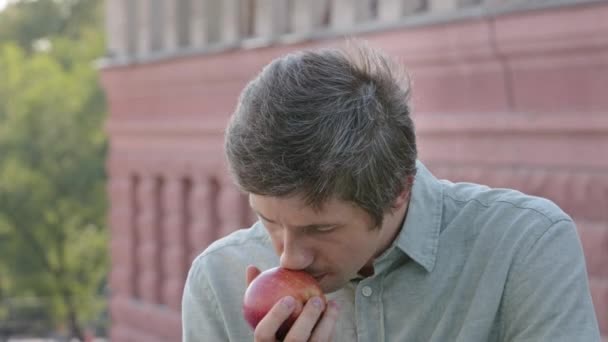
<point>2,4</point>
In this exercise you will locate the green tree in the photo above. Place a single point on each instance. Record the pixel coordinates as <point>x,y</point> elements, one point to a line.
<point>53,237</point>
<point>26,22</point>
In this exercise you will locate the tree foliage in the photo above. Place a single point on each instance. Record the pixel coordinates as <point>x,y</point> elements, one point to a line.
<point>53,237</point>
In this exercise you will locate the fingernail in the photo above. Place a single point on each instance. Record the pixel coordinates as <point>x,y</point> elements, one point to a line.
<point>317,302</point>
<point>289,302</point>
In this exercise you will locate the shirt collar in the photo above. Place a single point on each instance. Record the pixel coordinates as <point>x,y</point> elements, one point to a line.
<point>419,236</point>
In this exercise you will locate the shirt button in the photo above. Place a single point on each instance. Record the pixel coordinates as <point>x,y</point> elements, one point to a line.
<point>367,291</point>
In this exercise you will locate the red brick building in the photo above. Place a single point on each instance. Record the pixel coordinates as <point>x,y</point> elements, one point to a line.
<point>508,93</point>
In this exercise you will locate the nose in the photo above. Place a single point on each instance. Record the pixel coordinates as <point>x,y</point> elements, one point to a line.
<point>295,254</point>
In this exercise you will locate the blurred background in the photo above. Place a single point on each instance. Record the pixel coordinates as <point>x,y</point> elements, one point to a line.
<point>112,175</point>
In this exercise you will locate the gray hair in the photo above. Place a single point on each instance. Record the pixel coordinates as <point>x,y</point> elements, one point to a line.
<point>325,123</point>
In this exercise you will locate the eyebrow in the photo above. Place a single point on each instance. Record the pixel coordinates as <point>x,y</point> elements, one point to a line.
<point>307,226</point>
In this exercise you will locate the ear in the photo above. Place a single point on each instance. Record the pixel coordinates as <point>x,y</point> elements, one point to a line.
<point>404,196</point>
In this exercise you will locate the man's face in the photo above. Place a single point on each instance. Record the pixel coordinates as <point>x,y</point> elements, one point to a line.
<point>332,244</point>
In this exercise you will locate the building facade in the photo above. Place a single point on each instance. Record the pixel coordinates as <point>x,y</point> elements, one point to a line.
<point>509,93</point>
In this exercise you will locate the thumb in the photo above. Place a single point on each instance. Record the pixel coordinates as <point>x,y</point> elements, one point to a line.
<point>252,273</point>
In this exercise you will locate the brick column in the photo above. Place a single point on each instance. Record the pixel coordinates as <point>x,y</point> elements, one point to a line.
<point>234,18</point>
<point>116,28</point>
<point>308,15</point>
<point>198,24</point>
<point>174,230</point>
<point>204,224</point>
<point>143,27</point>
<point>391,10</point>
<point>170,20</point>
<point>148,283</point>
<point>347,13</point>
<point>271,18</point>
<point>121,247</point>
<point>231,207</point>
<point>442,5</point>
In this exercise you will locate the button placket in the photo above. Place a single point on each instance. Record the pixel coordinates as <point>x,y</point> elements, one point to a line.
<point>368,310</point>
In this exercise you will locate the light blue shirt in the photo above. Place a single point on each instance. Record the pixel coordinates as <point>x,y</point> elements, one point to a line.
<point>470,264</point>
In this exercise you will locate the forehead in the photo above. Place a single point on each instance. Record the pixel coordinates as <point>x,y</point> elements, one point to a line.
<point>295,210</point>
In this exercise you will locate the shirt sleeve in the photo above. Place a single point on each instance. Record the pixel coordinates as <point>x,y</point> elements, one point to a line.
<point>547,295</point>
<point>201,317</point>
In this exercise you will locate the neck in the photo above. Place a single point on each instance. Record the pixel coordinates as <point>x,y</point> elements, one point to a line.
<point>392,228</point>
<point>388,233</point>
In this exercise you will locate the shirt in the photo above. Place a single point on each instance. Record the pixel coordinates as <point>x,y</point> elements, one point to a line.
<point>470,263</point>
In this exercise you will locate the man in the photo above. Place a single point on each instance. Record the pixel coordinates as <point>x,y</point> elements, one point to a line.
<point>323,143</point>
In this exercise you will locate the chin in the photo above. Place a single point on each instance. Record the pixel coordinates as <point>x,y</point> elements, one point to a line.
<point>331,285</point>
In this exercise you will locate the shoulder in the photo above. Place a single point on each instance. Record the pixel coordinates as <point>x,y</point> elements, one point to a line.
<point>225,260</point>
<point>238,242</point>
<point>503,202</point>
<point>213,293</point>
<point>504,216</point>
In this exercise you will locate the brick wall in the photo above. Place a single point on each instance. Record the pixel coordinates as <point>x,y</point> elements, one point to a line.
<point>514,101</point>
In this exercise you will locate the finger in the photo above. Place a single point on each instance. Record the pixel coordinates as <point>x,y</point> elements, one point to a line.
<point>302,328</point>
<point>252,273</point>
<point>270,324</point>
<point>325,329</point>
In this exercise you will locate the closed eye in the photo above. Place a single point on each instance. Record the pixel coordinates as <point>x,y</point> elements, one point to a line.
<point>267,223</point>
<point>313,228</point>
<point>322,228</point>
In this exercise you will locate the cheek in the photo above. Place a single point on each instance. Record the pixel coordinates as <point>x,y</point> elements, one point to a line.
<point>278,246</point>
<point>277,239</point>
<point>353,249</point>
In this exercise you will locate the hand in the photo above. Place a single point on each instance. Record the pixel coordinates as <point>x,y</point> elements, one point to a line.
<point>317,321</point>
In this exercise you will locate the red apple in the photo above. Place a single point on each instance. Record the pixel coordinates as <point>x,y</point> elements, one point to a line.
<point>272,285</point>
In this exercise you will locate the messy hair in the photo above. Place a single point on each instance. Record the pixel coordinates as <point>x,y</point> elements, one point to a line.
<point>326,123</point>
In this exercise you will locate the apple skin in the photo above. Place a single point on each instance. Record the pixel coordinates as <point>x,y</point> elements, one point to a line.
<point>272,285</point>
